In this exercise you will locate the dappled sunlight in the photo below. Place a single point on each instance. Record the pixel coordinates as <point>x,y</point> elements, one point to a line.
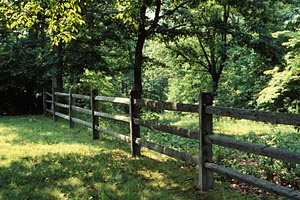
<point>15,152</point>
<point>243,127</point>
<point>42,160</point>
<point>5,129</point>
<point>118,154</point>
<point>73,181</point>
<point>8,140</point>
<point>158,181</point>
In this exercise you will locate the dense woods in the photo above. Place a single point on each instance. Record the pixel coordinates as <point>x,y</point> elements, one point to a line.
<point>245,52</point>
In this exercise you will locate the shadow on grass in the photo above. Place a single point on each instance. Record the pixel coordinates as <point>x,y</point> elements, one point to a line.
<point>108,172</point>
<point>102,176</point>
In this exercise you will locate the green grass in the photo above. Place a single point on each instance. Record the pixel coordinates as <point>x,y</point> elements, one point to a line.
<point>40,159</point>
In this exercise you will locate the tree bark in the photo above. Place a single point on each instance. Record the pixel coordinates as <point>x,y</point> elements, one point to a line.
<point>142,35</point>
<point>57,80</point>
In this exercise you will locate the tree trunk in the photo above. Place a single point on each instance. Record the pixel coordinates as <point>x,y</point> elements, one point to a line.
<point>57,80</point>
<point>142,35</point>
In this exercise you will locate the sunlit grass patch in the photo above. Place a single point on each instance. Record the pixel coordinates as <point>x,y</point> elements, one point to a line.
<point>40,159</point>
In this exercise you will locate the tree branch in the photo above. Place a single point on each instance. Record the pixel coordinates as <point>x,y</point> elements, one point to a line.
<point>170,12</point>
<point>189,60</point>
<point>209,68</point>
<point>156,16</point>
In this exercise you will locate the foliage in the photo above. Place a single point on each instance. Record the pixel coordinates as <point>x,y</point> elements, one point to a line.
<point>94,80</point>
<point>21,60</point>
<point>205,38</point>
<point>282,91</point>
<point>172,50</point>
<point>284,137</point>
<point>235,88</point>
<point>58,19</point>
<point>182,80</point>
<point>26,52</point>
<point>155,86</point>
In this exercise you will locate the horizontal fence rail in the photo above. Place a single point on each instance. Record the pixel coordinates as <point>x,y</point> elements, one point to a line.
<point>61,105</point>
<point>270,117</point>
<point>258,149</point>
<point>114,134</point>
<point>167,151</point>
<point>266,185</point>
<point>82,110</point>
<point>61,94</point>
<point>82,122</point>
<point>111,116</point>
<point>113,99</point>
<point>48,101</point>
<point>48,93</point>
<point>167,105</point>
<point>83,97</point>
<point>168,129</point>
<point>204,136</point>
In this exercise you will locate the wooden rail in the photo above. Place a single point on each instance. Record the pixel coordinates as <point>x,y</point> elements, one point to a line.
<point>113,99</point>
<point>83,97</point>
<point>168,129</point>
<point>270,117</point>
<point>266,185</point>
<point>82,110</point>
<point>61,94</point>
<point>166,105</point>
<point>167,151</point>
<point>114,134</point>
<point>82,122</point>
<point>258,149</point>
<point>114,117</point>
<point>61,105</point>
<point>204,135</point>
<point>48,93</point>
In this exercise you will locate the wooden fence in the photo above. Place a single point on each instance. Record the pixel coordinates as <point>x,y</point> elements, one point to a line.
<point>205,135</point>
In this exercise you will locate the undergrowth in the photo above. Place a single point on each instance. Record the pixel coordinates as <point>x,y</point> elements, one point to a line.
<point>281,136</point>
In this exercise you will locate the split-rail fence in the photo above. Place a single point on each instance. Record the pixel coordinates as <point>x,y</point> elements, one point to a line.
<point>205,135</point>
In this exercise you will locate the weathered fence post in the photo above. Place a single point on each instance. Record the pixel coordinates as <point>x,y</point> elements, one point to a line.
<point>205,149</point>
<point>44,103</point>
<point>54,118</point>
<point>71,111</point>
<point>134,129</point>
<point>95,119</point>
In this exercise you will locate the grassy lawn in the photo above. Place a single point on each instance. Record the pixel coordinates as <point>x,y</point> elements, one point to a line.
<point>40,159</point>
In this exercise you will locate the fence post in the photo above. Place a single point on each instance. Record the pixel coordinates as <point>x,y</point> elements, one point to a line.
<point>134,129</point>
<point>71,111</point>
<point>205,149</point>
<point>44,103</point>
<point>95,119</point>
<point>54,118</point>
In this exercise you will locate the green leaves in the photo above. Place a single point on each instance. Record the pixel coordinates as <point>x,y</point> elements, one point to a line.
<point>129,12</point>
<point>63,20</point>
<point>60,20</point>
<point>282,91</point>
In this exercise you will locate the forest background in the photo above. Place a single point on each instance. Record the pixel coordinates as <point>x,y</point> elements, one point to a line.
<point>245,52</point>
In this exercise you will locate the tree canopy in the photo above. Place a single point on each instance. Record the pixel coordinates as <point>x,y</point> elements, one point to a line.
<point>245,52</point>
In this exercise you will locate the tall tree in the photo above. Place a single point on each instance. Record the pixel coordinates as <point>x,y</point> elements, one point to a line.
<point>135,12</point>
<point>146,17</point>
<point>58,19</point>
<point>216,26</point>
